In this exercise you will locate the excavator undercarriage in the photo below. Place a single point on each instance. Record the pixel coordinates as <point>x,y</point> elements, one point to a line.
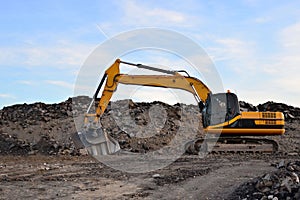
<point>232,145</point>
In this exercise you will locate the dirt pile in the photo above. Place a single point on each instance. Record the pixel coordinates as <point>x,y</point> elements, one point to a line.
<point>39,128</point>
<point>290,112</point>
<point>47,128</point>
<point>280,184</point>
<point>244,106</point>
<point>142,127</point>
<point>139,127</point>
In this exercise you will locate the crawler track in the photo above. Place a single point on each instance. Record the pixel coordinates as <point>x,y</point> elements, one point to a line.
<point>232,145</point>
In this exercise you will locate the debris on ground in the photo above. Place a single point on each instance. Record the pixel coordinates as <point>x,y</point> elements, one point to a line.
<point>282,183</point>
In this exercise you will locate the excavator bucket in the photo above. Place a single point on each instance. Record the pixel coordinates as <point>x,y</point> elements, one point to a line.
<point>98,142</point>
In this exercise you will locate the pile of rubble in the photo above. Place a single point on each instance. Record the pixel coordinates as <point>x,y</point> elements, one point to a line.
<point>142,127</point>
<point>139,127</point>
<point>270,105</point>
<point>39,128</point>
<point>244,106</point>
<point>11,145</point>
<point>289,112</point>
<point>28,114</point>
<point>280,184</point>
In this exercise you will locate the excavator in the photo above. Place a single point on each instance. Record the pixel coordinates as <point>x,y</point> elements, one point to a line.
<point>235,131</point>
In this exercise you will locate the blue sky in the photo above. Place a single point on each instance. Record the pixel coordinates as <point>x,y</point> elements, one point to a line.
<point>255,45</point>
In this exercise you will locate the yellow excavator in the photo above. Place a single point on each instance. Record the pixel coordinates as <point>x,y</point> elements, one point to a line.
<point>221,114</point>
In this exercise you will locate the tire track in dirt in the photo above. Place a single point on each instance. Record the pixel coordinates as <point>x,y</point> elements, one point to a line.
<point>215,185</point>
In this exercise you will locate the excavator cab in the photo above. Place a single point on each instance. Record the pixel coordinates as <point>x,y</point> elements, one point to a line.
<point>220,108</point>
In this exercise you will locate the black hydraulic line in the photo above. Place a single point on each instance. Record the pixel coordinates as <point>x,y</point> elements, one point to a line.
<point>99,86</point>
<point>184,72</point>
<point>150,68</point>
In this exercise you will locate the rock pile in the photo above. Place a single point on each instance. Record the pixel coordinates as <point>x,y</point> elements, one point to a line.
<point>244,106</point>
<point>28,114</point>
<point>290,112</point>
<point>142,127</point>
<point>11,145</point>
<point>280,184</point>
<point>139,127</point>
<point>39,128</point>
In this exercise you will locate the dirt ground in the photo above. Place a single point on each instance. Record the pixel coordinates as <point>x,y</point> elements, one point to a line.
<point>70,177</point>
<point>35,165</point>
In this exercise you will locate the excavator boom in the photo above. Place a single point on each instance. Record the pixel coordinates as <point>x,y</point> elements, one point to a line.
<point>174,80</point>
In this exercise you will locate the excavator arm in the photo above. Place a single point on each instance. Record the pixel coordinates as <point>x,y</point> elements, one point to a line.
<point>173,80</point>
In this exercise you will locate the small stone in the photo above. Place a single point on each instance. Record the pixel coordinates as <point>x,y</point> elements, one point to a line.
<point>295,177</point>
<point>33,152</point>
<point>265,190</point>
<point>268,183</point>
<point>286,183</point>
<point>290,168</point>
<point>267,177</point>
<point>270,197</point>
<point>83,152</point>
<point>11,146</point>
<point>264,198</point>
<point>297,168</point>
<point>281,164</point>
<point>259,185</point>
<point>156,176</point>
<point>293,154</point>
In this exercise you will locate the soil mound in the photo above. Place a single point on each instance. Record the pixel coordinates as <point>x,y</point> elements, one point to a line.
<point>139,127</point>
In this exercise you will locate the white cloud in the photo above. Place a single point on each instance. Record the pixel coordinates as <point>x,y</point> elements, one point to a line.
<point>286,63</point>
<point>141,15</point>
<point>290,37</point>
<point>282,69</point>
<point>26,82</point>
<point>60,83</point>
<point>236,54</point>
<point>262,20</point>
<point>261,78</point>
<point>5,96</point>
<point>230,48</point>
<point>62,54</point>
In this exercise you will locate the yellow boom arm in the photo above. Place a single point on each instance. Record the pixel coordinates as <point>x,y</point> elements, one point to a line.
<point>175,80</point>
